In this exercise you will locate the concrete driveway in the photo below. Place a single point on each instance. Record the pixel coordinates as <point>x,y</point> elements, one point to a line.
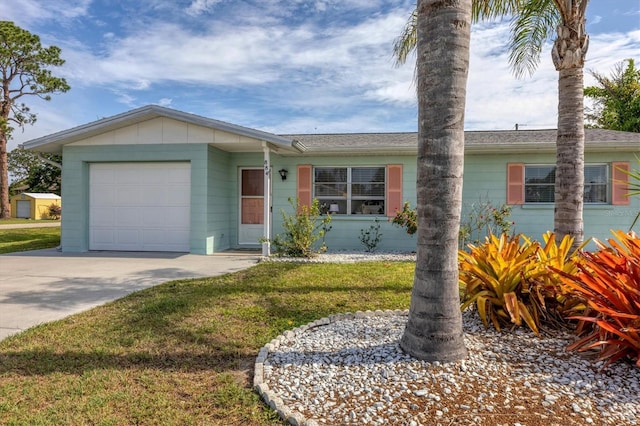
<point>46,285</point>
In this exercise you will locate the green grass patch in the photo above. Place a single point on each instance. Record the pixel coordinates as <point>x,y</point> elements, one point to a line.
<point>23,239</point>
<point>181,353</point>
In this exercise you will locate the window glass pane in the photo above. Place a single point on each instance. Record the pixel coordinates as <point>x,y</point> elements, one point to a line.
<point>595,184</point>
<point>367,189</point>
<point>330,174</point>
<point>539,174</point>
<point>252,211</point>
<point>367,207</point>
<point>350,190</point>
<point>330,189</point>
<point>252,182</point>
<point>367,174</point>
<point>539,194</point>
<point>539,182</point>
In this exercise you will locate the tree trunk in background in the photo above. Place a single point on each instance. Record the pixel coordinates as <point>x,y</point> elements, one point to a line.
<point>5,213</point>
<point>434,329</point>
<point>568,55</point>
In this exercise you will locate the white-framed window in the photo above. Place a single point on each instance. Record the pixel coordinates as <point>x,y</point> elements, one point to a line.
<point>539,183</point>
<point>350,190</point>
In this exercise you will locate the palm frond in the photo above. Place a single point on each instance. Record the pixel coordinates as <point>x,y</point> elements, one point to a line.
<point>407,41</point>
<point>486,10</point>
<point>531,27</point>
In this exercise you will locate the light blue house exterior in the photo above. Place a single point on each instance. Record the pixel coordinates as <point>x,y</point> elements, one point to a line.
<point>157,179</point>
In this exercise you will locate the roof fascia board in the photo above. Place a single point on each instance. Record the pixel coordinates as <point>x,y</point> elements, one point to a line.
<point>149,112</point>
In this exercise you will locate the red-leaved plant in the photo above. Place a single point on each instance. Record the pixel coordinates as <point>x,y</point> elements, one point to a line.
<point>609,281</point>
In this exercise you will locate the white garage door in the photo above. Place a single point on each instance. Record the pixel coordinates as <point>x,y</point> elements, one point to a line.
<point>139,206</point>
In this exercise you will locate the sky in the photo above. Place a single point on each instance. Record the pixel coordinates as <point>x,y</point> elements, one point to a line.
<point>285,66</point>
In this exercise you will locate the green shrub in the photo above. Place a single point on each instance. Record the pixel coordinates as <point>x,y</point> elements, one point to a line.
<point>407,219</point>
<point>483,219</point>
<point>370,238</point>
<point>303,229</point>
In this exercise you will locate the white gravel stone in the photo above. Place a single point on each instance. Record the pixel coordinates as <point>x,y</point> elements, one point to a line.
<point>349,369</point>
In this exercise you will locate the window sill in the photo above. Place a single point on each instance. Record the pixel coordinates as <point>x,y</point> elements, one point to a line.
<point>546,206</point>
<point>358,217</point>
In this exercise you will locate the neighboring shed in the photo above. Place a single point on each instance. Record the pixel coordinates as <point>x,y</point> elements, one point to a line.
<point>31,205</point>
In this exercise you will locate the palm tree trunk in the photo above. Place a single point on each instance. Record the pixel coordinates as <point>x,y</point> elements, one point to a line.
<point>569,187</point>
<point>569,51</point>
<point>434,329</point>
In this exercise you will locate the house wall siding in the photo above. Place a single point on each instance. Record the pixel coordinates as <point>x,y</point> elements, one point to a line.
<point>485,179</point>
<point>345,230</point>
<point>75,191</point>
<point>161,131</point>
<point>219,201</point>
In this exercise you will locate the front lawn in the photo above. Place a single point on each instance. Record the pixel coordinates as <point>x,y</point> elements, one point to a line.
<point>23,239</point>
<point>181,353</point>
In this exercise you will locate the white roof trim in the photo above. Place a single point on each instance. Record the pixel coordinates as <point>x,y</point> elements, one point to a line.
<point>148,112</point>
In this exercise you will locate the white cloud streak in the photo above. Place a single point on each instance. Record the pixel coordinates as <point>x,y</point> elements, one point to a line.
<point>330,76</point>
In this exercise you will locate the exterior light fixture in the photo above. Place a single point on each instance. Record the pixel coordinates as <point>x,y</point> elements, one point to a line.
<point>283,173</point>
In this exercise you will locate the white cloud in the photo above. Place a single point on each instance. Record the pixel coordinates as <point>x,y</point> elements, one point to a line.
<point>165,102</point>
<point>26,12</point>
<point>198,7</point>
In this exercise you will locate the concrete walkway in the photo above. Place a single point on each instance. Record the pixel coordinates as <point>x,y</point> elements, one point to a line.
<point>46,224</point>
<point>45,285</point>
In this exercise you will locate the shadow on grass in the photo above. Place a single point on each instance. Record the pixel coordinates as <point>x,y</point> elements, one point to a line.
<point>215,324</point>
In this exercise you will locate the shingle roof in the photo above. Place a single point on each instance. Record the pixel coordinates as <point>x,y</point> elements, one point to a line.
<point>475,141</point>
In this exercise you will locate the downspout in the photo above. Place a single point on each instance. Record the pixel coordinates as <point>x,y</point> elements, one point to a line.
<point>266,244</point>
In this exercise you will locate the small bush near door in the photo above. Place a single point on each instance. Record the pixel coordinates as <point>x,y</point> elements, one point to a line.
<point>303,229</point>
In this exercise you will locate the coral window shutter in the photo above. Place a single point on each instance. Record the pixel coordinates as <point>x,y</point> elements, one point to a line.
<point>304,185</point>
<point>394,189</point>
<point>620,184</point>
<point>515,183</point>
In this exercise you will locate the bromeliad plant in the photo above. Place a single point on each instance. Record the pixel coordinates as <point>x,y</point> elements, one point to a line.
<point>509,282</point>
<point>609,280</point>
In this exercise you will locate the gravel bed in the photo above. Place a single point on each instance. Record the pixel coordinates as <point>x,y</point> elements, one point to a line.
<point>345,257</point>
<point>349,370</point>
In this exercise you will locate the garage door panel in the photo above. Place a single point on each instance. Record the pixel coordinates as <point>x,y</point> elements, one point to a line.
<point>179,198</point>
<point>153,196</point>
<point>145,207</point>
<point>175,219</point>
<point>128,236</point>
<point>129,176</point>
<point>129,217</point>
<point>128,196</point>
<point>156,221</point>
<point>180,176</point>
<point>104,216</point>
<point>103,175</point>
<point>102,237</point>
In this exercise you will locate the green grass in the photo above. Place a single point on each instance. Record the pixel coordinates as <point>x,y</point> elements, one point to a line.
<point>181,353</point>
<point>23,239</point>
